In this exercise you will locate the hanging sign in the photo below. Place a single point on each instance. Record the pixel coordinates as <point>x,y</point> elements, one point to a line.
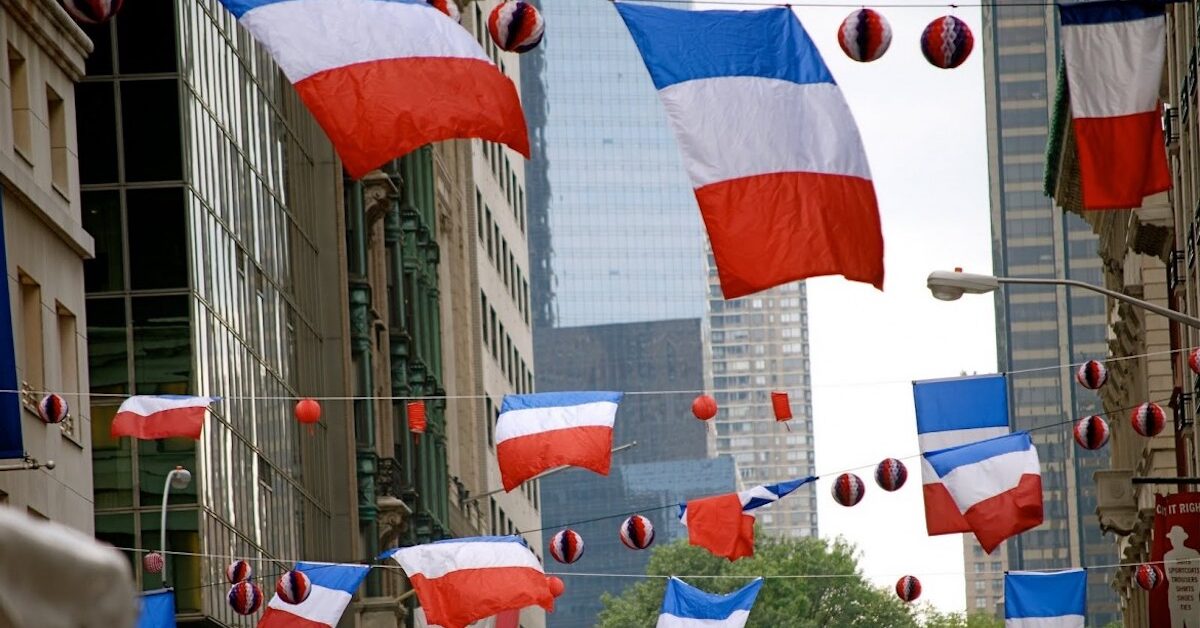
<point>1177,544</point>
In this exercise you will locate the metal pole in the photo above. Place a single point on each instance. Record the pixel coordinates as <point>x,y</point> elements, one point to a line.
<point>1178,317</point>
<point>162,527</point>
<point>1184,480</point>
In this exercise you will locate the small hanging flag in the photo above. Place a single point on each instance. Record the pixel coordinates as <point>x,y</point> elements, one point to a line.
<point>1038,598</point>
<point>538,432</point>
<point>781,406</point>
<point>331,588</point>
<point>684,605</point>
<point>163,416</point>
<point>724,524</point>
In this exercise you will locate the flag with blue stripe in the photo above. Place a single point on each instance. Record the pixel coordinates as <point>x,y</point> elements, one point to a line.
<point>1045,599</point>
<point>685,606</point>
<point>157,609</point>
<point>760,495</point>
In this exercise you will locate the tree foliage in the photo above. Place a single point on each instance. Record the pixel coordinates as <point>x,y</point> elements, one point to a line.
<point>933,619</point>
<point>839,597</point>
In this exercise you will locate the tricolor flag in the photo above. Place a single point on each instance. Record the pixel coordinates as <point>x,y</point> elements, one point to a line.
<point>542,431</point>
<point>769,143</point>
<point>1114,53</point>
<point>996,485</point>
<point>1045,599</point>
<point>685,606</point>
<point>724,524</point>
<point>953,412</point>
<point>164,416</point>
<point>156,609</point>
<point>332,588</point>
<point>459,581</point>
<point>384,77</point>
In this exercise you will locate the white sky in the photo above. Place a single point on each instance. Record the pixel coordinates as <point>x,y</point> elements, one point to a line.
<point>924,130</point>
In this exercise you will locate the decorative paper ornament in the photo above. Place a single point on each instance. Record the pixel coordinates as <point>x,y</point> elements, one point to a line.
<point>92,11</point>
<point>848,489</point>
<point>245,598</point>
<point>449,7</point>
<point>1092,374</point>
<point>308,411</point>
<point>908,588</point>
<point>566,546</point>
<point>947,42</point>
<point>704,407</point>
<point>1091,432</point>
<point>637,532</point>
<point>1194,360</point>
<point>781,406</point>
<point>516,26</point>
<point>865,35</point>
<point>891,474</point>
<point>1148,419</point>
<point>52,409</point>
<point>238,571</point>
<point>556,585</point>
<point>293,587</point>
<point>416,419</point>
<point>1148,576</point>
<point>153,562</point>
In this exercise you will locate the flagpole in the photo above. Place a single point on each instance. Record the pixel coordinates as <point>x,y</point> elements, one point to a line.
<point>179,478</point>
<point>476,498</point>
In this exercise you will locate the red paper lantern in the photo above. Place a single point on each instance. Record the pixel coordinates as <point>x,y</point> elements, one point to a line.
<point>1148,576</point>
<point>308,411</point>
<point>908,588</point>
<point>416,419</point>
<point>781,406</point>
<point>704,407</point>
<point>556,585</point>
<point>1148,419</point>
<point>1194,360</point>
<point>153,562</point>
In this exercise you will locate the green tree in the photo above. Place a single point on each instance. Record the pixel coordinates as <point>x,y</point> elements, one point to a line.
<point>931,618</point>
<point>837,595</point>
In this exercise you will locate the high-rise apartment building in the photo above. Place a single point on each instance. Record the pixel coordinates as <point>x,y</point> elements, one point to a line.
<point>985,577</point>
<point>43,245</point>
<point>1041,330</point>
<point>755,345</point>
<point>214,200</point>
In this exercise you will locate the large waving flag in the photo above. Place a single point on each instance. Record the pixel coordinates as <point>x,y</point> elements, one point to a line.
<point>538,432</point>
<point>953,412</point>
<point>333,586</point>
<point>384,77</point>
<point>459,581</point>
<point>1114,53</point>
<point>769,143</point>
<point>996,485</point>
<point>685,606</point>
<point>724,524</point>
<point>166,416</point>
<point>1045,600</point>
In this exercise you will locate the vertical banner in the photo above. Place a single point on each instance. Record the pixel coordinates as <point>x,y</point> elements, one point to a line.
<point>1176,602</point>
<point>11,444</point>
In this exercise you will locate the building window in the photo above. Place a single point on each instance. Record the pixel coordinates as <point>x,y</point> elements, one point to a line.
<point>31,332</point>
<point>981,602</point>
<point>68,351</point>
<point>491,431</point>
<point>57,117</point>
<point>483,309</point>
<point>980,585</point>
<point>18,80</point>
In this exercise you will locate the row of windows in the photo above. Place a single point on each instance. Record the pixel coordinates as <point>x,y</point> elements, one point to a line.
<point>514,193</point>
<point>21,104</point>
<point>34,376</point>
<point>502,257</point>
<point>502,347</point>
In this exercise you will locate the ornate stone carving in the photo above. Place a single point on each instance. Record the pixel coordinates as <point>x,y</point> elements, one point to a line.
<point>1116,501</point>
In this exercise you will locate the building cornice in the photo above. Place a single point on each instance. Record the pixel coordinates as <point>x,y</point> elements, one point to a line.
<point>54,31</point>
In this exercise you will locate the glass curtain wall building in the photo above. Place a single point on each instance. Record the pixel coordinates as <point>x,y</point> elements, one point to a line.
<point>212,199</point>
<point>1042,327</point>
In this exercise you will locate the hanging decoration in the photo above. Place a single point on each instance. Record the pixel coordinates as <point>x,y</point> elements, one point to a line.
<point>1091,432</point>
<point>541,431</point>
<point>1194,360</point>
<point>724,524</point>
<point>153,562</point>
<point>449,7</point>
<point>308,411</point>
<point>947,42</point>
<point>52,409</point>
<point>781,406</point>
<point>1148,576</point>
<point>637,532</point>
<point>1148,419</point>
<point>332,591</point>
<point>293,587</point>
<point>891,474</point>
<point>865,35</point>
<point>556,585</point>
<point>1092,374</point>
<point>92,11</point>
<point>566,546</point>
<point>516,26</point>
<point>239,571</point>
<point>908,588</point>
<point>848,489</point>
<point>416,419</point>
<point>704,407</point>
<point>245,598</point>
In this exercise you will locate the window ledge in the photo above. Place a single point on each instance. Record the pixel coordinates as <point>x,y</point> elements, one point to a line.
<point>61,193</point>
<point>21,153</point>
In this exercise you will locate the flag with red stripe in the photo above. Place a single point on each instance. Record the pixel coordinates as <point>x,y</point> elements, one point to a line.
<point>539,432</point>
<point>151,417</point>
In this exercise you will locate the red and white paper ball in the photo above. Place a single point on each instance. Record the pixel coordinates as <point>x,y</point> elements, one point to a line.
<point>566,546</point>
<point>52,409</point>
<point>293,587</point>
<point>1194,360</point>
<point>516,26</point>
<point>245,598</point>
<point>848,489</point>
<point>449,7</point>
<point>1092,374</point>
<point>891,474</point>
<point>1091,432</point>
<point>238,571</point>
<point>1148,576</point>
<point>908,588</point>
<point>153,562</point>
<point>865,35</point>
<point>1148,419</point>
<point>637,532</point>
<point>947,42</point>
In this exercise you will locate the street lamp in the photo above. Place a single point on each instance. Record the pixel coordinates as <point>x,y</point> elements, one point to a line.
<point>950,285</point>
<point>179,479</point>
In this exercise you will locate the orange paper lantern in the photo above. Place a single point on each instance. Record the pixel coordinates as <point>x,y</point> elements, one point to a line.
<point>416,419</point>
<point>704,407</point>
<point>781,405</point>
<point>308,411</point>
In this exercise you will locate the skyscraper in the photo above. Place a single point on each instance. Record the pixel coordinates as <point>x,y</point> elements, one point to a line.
<point>1039,328</point>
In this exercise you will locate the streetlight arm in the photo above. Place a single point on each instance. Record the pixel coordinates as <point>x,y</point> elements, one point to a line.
<point>1178,317</point>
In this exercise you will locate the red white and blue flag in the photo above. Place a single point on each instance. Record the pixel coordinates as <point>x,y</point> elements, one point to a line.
<point>539,432</point>
<point>164,416</point>
<point>996,484</point>
<point>1114,54</point>
<point>769,143</point>
<point>384,77</point>
<point>333,586</point>
<point>724,524</point>
<point>460,581</point>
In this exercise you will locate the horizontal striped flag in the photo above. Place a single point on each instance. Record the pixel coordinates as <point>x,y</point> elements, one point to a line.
<point>333,587</point>
<point>724,524</point>
<point>163,416</point>
<point>539,432</point>
<point>1055,599</point>
<point>685,606</point>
